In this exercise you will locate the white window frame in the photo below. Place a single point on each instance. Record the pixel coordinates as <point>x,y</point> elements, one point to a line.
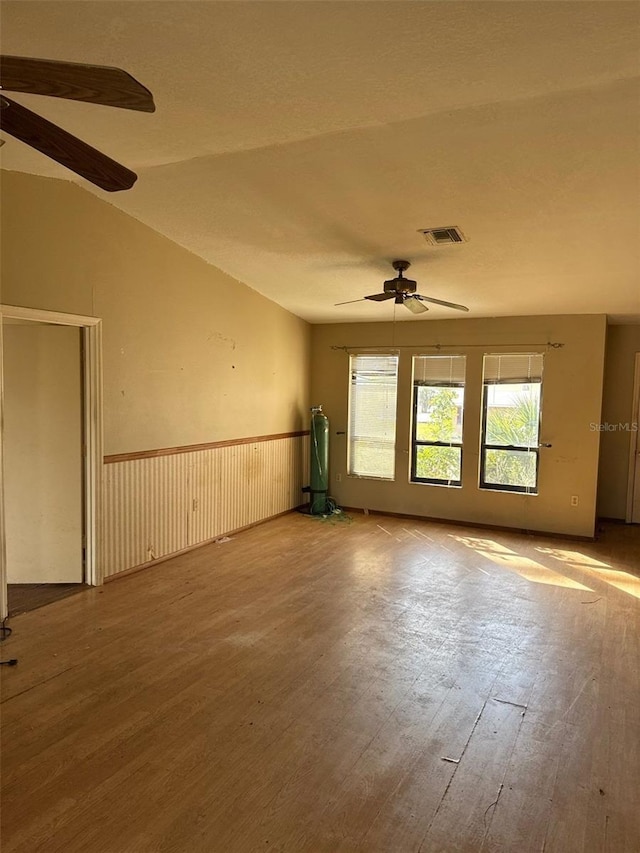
<point>415,442</point>
<point>484,445</point>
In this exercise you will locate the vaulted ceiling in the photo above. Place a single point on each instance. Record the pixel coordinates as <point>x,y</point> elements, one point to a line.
<point>301,146</point>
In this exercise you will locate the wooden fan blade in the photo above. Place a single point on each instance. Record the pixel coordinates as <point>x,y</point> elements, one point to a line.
<point>441,302</point>
<point>380,297</point>
<point>349,302</point>
<point>97,84</point>
<point>415,305</point>
<point>66,149</point>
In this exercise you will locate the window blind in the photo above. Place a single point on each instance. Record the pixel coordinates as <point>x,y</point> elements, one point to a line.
<point>439,369</point>
<point>513,367</point>
<point>372,415</point>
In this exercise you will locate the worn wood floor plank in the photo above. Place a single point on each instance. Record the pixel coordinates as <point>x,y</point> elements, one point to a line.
<point>297,689</point>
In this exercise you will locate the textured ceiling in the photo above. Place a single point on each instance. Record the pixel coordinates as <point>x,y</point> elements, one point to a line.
<point>299,146</point>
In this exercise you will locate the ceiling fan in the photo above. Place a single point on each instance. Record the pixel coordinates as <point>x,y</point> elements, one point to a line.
<point>96,84</point>
<point>403,290</point>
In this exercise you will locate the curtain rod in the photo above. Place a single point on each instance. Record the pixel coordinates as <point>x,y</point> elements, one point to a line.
<point>387,347</point>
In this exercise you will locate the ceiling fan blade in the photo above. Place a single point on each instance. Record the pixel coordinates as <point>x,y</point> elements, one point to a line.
<point>415,305</point>
<point>380,297</point>
<point>441,302</point>
<point>349,302</point>
<point>97,84</point>
<point>66,149</point>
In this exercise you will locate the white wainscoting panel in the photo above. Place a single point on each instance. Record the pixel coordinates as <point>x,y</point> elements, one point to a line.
<point>158,505</point>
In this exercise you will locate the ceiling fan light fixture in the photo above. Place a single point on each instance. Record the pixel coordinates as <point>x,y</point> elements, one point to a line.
<point>404,285</point>
<point>403,292</point>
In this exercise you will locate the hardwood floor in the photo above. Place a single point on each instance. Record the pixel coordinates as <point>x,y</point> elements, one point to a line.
<point>384,685</point>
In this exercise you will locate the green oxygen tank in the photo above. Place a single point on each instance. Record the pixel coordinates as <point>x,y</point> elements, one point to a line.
<point>319,462</point>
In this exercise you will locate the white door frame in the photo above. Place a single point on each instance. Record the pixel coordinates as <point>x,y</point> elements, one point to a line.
<point>634,443</point>
<point>92,416</point>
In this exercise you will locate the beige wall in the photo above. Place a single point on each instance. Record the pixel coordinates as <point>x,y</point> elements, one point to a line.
<point>572,396</point>
<point>43,453</point>
<point>623,342</point>
<point>193,356</point>
<point>190,354</point>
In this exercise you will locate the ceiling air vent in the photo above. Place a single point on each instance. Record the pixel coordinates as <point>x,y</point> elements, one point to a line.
<point>443,236</point>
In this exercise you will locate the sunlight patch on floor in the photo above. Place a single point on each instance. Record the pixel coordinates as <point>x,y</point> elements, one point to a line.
<point>575,558</point>
<point>523,566</point>
<point>623,581</point>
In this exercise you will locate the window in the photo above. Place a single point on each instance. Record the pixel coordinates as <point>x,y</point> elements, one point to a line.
<point>511,422</point>
<point>438,405</point>
<point>372,416</point>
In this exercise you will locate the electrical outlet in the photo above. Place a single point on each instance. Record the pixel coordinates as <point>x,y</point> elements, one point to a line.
<point>574,500</point>
<point>338,478</point>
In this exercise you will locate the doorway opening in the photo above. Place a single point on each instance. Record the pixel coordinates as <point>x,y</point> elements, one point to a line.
<point>51,455</point>
<point>24,597</point>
